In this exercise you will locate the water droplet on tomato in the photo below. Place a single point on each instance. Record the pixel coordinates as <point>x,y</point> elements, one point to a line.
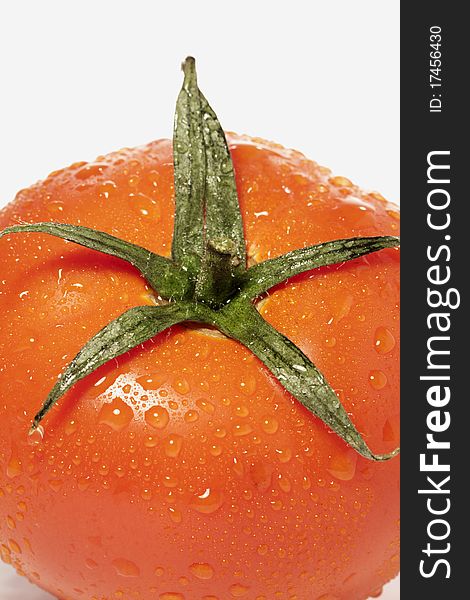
<point>171,596</point>
<point>384,340</point>
<point>284,483</point>
<point>116,414</point>
<point>242,429</point>
<point>83,483</point>
<point>205,405</point>
<point>146,494</point>
<point>269,424</point>
<point>126,568</point>
<point>106,189</point>
<point>175,514</point>
<point>152,382</point>
<point>133,181</point>
<point>220,432</point>
<point>55,207</point>
<point>215,450</point>
<point>208,502</point>
<point>150,441</point>
<point>247,494</point>
<point>343,466</point>
<point>202,570</point>
<point>71,427</point>
<point>5,554</point>
<point>341,181</point>
<point>36,436</point>
<point>377,379</point>
<point>14,546</point>
<point>248,385</point>
<point>145,206</point>
<point>330,341</point>
<point>153,177</point>
<point>284,455</point>
<point>181,386</point>
<point>191,416</point>
<point>103,470</point>
<point>14,467</point>
<point>276,505</point>
<point>237,590</point>
<point>241,410</point>
<point>173,445</point>
<point>169,481</point>
<point>90,170</point>
<point>341,307</point>
<point>157,417</point>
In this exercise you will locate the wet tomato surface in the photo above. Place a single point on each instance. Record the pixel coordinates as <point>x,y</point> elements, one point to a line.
<point>183,470</point>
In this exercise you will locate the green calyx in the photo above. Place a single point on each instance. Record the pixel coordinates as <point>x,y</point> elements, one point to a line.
<point>207,280</point>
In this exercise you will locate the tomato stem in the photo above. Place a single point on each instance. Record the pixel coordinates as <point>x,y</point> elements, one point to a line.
<point>206,280</point>
<point>217,280</point>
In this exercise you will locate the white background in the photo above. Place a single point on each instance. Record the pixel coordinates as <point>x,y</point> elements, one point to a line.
<point>83,78</point>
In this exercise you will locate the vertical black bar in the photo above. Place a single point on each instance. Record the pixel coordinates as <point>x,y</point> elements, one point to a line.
<point>435,271</point>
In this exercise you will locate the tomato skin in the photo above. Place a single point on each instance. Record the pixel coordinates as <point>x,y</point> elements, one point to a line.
<point>183,470</point>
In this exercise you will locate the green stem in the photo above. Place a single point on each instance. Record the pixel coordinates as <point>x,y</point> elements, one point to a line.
<point>206,281</point>
<point>160,272</point>
<point>132,328</point>
<point>190,173</point>
<point>217,279</point>
<point>241,321</point>
<point>259,278</point>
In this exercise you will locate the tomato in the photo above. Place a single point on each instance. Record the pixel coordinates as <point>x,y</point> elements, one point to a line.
<point>183,470</point>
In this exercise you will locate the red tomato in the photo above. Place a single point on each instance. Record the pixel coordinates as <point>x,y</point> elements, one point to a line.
<point>183,470</point>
